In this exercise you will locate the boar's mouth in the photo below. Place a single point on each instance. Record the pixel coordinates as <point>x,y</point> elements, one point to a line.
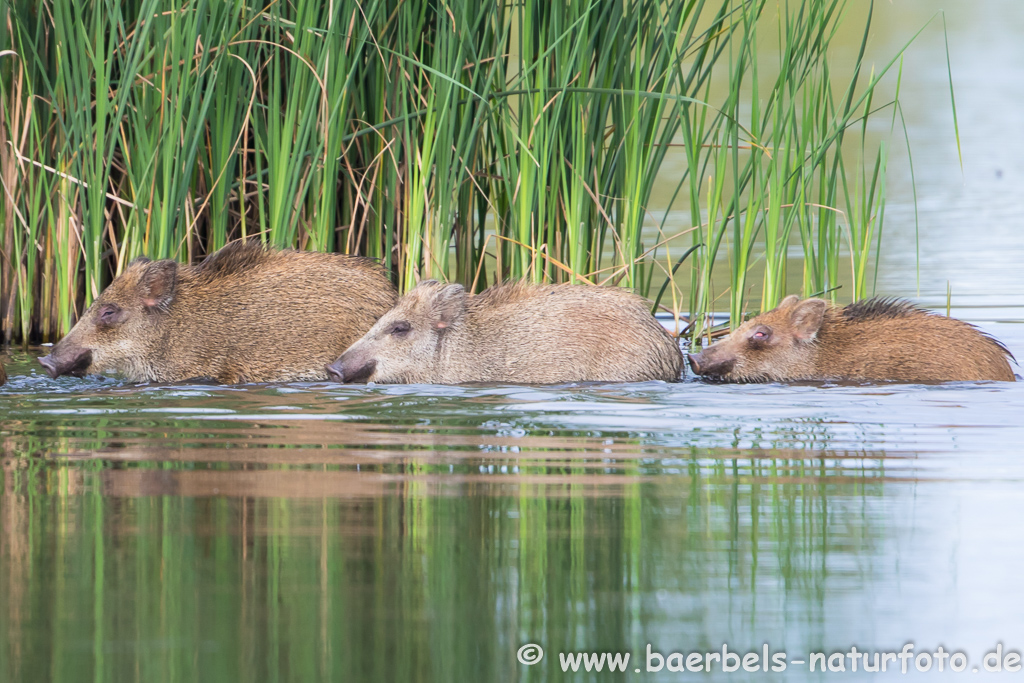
<point>74,365</point>
<point>346,371</point>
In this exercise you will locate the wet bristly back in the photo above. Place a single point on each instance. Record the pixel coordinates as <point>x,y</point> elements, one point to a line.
<point>903,342</point>
<point>875,339</point>
<point>280,310</point>
<point>549,331</point>
<point>536,334</point>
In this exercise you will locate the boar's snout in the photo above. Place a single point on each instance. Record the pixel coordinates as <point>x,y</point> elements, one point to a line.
<point>335,371</point>
<point>705,363</point>
<point>694,361</point>
<point>73,363</point>
<point>350,369</point>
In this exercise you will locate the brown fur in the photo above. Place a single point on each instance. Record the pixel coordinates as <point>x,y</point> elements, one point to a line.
<point>3,375</point>
<point>875,339</point>
<point>533,334</point>
<point>245,314</point>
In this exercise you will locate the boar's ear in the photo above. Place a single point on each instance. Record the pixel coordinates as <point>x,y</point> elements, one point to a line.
<point>449,302</point>
<point>789,302</point>
<point>806,318</point>
<point>157,284</point>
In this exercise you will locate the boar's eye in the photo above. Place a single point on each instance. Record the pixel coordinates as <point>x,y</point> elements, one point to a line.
<point>400,329</point>
<point>109,314</point>
<point>761,334</point>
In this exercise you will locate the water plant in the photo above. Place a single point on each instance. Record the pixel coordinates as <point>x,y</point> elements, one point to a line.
<point>454,139</point>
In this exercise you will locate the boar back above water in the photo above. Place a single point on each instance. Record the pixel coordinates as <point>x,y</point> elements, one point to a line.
<point>245,314</point>
<point>515,332</point>
<point>875,339</point>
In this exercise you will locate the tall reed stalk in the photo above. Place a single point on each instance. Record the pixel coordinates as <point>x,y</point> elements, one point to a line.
<point>461,140</point>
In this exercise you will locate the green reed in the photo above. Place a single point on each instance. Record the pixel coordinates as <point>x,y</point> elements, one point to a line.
<point>459,140</point>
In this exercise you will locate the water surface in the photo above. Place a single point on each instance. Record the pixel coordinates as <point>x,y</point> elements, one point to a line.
<point>322,531</point>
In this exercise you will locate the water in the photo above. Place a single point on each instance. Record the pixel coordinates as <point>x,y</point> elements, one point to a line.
<point>323,531</point>
<point>419,533</point>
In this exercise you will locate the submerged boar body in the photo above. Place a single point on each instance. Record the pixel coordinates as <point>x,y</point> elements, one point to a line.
<point>875,339</point>
<point>532,334</point>
<point>245,314</point>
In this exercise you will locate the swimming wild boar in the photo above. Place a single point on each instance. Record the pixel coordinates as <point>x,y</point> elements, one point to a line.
<point>875,339</point>
<point>245,314</point>
<point>532,334</point>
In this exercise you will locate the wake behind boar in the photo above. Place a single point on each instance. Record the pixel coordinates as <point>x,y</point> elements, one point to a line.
<point>532,334</point>
<point>875,339</point>
<point>245,314</point>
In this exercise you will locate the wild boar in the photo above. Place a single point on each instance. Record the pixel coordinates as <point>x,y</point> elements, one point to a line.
<point>874,339</point>
<point>514,332</point>
<point>245,314</point>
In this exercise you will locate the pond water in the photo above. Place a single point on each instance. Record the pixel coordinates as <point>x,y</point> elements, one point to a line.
<point>322,531</point>
<point>421,533</point>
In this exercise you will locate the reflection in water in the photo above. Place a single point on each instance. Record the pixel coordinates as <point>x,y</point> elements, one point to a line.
<point>409,572</point>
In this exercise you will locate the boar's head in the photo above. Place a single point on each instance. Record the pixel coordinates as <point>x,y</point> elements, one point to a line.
<point>403,346</point>
<point>123,329</point>
<point>775,346</point>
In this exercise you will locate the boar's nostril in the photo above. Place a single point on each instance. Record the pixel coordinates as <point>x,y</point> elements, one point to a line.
<point>694,363</point>
<point>335,371</point>
<point>76,364</point>
<point>49,366</point>
<point>351,369</point>
<point>711,366</point>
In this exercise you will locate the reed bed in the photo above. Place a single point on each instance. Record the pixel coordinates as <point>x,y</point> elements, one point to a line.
<point>455,139</point>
